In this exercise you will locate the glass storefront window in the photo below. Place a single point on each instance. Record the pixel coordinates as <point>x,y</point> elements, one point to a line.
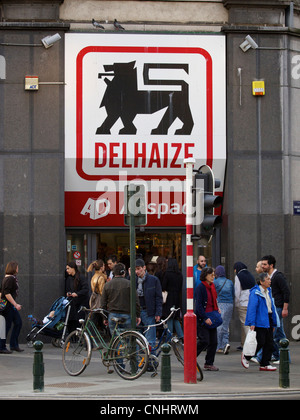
<point>86,247</point>
<point>77,250</point>
<point>165,244</point>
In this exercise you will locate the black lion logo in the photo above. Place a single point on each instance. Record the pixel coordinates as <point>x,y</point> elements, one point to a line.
<point>122,99</point>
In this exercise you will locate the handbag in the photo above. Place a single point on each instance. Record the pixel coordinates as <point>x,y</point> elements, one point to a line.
<point>3,303</point>
<point>250,344</point>
<point>95,300</point>
<point>164,296</point>
<point>215,318</point>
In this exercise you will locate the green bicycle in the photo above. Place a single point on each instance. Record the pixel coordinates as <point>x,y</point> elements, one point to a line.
<point>127,351</point>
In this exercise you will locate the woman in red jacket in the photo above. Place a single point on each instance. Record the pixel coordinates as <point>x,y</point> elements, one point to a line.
<point>206,301</point>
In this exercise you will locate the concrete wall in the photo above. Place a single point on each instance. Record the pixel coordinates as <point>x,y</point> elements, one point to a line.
<point>32,167</point>
<point>263,147</point>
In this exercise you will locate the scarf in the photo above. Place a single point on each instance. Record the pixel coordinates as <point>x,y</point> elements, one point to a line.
<point>245,277</point>
<point>210,288</point>
<point>140,290</point>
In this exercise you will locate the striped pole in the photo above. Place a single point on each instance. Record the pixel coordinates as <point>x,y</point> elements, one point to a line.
<point>190,324</point>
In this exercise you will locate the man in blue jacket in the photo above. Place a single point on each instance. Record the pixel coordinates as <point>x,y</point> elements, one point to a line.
<point>150,296</point>
<point>262,318</point>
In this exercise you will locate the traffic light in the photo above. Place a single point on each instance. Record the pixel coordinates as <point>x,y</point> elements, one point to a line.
<point>135,204</point>
<point>205,201</point>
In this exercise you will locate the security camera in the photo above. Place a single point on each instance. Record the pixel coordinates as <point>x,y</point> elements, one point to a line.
<point>248,43</point>
<point>49,40</point>
<point>251,42</point>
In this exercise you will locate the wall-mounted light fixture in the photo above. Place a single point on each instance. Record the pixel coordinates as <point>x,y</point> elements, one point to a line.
<point>250,43</point>
<point>46,42</point>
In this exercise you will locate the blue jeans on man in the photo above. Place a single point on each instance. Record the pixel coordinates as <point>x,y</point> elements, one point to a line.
<point>125,326</point>
<point>151,333</point>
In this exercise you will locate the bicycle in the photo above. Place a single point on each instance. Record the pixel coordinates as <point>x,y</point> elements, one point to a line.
<point>127,351</point>
<point>176,344</point>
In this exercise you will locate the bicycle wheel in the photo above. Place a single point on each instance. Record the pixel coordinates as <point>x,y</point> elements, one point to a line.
<point>130,355</point>
<point>76,353</point>
<point>179,353</point>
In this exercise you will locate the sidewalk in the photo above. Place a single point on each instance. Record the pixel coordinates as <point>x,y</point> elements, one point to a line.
<point>231,382</point>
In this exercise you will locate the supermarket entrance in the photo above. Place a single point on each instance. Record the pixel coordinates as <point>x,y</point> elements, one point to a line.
<point>85,247</point>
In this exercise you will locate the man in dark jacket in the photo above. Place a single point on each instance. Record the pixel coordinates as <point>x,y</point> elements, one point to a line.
<point>281,295</point>
<point>116,299</point>
<point>150,296</point>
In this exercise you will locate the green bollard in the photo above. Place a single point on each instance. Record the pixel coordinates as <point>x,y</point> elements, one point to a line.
<point>38,367</point>
<point>284,364</point>
<point>165,383</point>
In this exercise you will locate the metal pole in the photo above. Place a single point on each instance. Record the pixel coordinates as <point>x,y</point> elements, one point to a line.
<point>38,367</point>
<point>190,321</point>
<point>284,364</point>
<point>132,273</point>
<point>165,382</point>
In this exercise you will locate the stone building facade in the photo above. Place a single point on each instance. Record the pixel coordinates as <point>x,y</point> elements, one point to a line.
<point>261,190</point>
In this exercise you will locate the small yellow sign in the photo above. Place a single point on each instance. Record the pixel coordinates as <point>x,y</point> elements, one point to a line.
<point>31,83</point>
<point>258,87</point>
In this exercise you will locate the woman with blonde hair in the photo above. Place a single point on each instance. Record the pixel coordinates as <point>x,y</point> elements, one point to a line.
<point>97,283</point>
<point>98,280</point>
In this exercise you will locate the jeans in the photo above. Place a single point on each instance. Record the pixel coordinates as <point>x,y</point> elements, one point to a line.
<point>111,324</point>
<point>223,329</point>
<point>151,333</point>
<point>175,323</point>
<point>12,316</point>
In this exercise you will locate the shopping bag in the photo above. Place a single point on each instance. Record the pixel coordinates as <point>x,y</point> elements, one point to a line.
<point>250,344</point>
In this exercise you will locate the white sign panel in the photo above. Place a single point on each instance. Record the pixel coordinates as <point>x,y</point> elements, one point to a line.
<point>139,104</point>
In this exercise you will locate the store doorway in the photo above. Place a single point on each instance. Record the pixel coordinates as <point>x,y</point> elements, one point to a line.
<point>148,245</point>
<point>84,247</point>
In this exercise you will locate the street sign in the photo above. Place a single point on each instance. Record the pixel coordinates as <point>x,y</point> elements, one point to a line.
<point>296,206</point>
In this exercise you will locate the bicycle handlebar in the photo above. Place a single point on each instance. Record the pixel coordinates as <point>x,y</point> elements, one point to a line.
<point>163,321</point>
<point>100,310</point>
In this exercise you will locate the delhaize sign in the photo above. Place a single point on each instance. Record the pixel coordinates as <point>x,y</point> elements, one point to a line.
<point>136,106</point>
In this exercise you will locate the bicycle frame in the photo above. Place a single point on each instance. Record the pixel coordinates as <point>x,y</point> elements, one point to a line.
<point>127,351</point>
<point>104,349</point>
<point>95,337</point>
<point>166,337</point>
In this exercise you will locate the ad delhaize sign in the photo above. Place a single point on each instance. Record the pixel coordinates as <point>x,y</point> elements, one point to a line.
<point>136,106</point>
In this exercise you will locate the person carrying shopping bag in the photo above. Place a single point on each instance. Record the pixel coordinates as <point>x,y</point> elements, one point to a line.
<point>262,318</point>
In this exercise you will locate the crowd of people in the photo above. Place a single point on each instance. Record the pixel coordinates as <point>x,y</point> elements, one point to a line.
<point>261,304</point>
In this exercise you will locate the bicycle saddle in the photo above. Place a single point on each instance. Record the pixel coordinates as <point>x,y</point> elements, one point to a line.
<point>117,319</point>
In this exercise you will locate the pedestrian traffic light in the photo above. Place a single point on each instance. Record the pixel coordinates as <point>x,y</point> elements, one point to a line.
<point>205,201</point>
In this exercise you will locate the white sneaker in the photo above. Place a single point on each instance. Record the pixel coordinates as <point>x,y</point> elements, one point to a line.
<point>268,368</point>
<point>226,349</point>
<point>254,359</point>
<point>244,362</point>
